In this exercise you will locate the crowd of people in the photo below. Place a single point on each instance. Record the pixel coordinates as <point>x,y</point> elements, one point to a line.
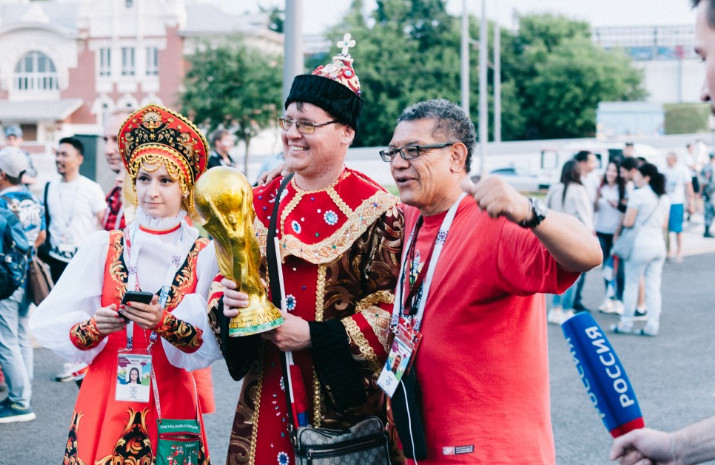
<point>438,279</point>
<point>632,197</point>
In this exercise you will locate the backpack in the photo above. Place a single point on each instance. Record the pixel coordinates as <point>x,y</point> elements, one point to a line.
<point>14,253</point>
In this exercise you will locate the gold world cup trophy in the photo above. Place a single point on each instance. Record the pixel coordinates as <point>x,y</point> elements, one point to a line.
<point>224,200</point>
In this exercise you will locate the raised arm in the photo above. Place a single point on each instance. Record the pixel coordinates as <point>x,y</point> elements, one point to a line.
<point>568,240</point>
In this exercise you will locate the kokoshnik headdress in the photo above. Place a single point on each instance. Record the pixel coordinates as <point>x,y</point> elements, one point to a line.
<point>154,134</point>
<point>334,87</point>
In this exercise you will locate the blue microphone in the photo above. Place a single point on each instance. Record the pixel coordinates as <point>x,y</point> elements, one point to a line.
<point>602,375</point>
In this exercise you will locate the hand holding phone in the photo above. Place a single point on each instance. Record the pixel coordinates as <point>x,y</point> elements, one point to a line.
<point>136,296</point>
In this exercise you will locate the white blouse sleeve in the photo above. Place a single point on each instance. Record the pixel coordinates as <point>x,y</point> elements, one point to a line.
<point>74,299</point>
<point>193,309</point>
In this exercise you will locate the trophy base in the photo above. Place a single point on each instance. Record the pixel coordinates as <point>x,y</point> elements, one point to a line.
<point>260,316</point>
<point>256,329</point>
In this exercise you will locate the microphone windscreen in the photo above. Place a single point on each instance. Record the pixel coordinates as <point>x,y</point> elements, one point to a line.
<point>602,374</point>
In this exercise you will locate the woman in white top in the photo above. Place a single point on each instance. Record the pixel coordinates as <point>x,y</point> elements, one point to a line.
<point>85,318</point>
<point>648,209</point>
<point>609,208</point>
<point>570,197</point>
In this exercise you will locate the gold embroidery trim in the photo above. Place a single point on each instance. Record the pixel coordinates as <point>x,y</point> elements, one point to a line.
<point>337,243</point>
<point>339,202</point>
<point>257,403</point>
<point>319,301</point>
<point>357,337</point>
<point>380,297</point>
<point>288,209</point>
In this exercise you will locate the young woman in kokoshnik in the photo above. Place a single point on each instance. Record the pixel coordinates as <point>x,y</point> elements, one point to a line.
<point>83,319</point>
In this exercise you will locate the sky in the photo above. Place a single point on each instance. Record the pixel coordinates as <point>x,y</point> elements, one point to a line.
<point>319,14</point>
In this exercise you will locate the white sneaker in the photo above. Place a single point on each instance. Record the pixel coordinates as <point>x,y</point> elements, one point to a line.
<point>555,315</point>
<point>617,306</point>
<point>69,371</point>
<point>566,315</point>
<point>606,306</point>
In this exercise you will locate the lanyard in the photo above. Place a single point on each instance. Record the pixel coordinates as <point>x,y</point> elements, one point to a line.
<point>416,286</point>
<point>423,293</point>
<point>132,283</point>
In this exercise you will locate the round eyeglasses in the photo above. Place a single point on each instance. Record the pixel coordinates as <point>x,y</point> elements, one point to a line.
<point>410,152</point>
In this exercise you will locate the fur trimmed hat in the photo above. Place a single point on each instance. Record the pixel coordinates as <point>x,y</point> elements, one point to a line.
<point>333,87</point>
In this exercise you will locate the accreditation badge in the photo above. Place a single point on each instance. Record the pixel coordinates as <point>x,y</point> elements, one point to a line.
<point>400,358</point>
<point>133,377</point>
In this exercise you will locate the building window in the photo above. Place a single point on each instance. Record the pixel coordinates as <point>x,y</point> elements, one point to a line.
<point>35,72</point>
<point>105,61</point>
<point>127,61</point>
<point>152,61</point>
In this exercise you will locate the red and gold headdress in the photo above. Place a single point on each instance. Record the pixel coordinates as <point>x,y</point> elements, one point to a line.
<point>154,134</point>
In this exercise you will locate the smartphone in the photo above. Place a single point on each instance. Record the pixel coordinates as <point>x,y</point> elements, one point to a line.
<point>137,296</point>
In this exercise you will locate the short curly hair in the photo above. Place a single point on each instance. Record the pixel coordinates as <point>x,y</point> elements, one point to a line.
<point>450,121</point>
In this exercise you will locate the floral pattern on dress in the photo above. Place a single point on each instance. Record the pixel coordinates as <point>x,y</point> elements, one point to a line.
<point>296,227</point>
<point>330,217</point>
<point>290,302</point>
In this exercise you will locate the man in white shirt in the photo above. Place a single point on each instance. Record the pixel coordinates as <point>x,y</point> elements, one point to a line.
<point>678,184</point>
<point>75,207</point>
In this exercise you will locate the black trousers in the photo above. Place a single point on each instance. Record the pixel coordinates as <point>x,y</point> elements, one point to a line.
<point>57,267</point>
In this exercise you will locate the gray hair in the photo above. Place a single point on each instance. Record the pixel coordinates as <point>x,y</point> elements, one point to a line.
<point>450,121</point>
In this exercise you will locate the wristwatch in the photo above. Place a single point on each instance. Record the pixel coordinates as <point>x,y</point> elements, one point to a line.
<point>538,213</point>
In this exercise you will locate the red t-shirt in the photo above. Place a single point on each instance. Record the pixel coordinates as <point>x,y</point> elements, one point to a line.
<point>482,364</point>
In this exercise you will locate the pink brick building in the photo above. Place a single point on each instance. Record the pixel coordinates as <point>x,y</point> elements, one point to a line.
<point>66,64</point>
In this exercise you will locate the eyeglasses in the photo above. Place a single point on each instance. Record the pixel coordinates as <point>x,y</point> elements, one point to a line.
<point>304,127</point>
<point>410,152</point>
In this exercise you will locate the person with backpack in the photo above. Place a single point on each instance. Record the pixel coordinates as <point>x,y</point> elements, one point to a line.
<point>22,229</point>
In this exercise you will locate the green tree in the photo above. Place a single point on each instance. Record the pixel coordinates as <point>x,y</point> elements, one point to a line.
<point>552,76</point>
<point>571,81</point>
<point>232,86</point>
<point>400,57</point>
<point>276,18</point>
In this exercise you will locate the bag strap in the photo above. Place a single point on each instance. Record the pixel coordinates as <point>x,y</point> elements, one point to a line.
<point>275,285</point>
<point>47,210</point>
<point>47,215</point>
<point>155,390</point>
<point>638,227</point>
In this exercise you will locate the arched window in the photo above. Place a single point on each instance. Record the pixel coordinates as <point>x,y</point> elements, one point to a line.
<point>35,72</point>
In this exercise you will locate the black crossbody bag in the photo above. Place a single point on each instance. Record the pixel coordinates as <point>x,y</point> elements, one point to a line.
<point>365,442</point>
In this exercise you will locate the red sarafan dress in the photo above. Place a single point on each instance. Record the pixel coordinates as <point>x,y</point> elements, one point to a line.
<point>105,430</point>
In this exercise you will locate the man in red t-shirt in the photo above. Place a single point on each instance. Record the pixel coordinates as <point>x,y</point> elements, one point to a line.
<point>481,366</point>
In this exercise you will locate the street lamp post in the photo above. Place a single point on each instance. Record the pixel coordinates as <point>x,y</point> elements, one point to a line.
<point>293,44</point>
<point>483,114</point>
<point>464,55</point>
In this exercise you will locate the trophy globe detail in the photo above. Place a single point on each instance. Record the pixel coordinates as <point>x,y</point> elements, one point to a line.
<point>224,200</point>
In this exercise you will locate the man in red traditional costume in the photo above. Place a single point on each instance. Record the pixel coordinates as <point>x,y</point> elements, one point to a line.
<point>470,291</point>
<point>340,237</point>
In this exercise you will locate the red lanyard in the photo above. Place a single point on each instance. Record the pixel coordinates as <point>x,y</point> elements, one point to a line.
<point>417,285</point>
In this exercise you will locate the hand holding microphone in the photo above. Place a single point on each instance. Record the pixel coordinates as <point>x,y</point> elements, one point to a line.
<point>602,375</point>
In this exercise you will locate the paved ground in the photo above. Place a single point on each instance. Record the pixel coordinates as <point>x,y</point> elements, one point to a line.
<point>673,375</point>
